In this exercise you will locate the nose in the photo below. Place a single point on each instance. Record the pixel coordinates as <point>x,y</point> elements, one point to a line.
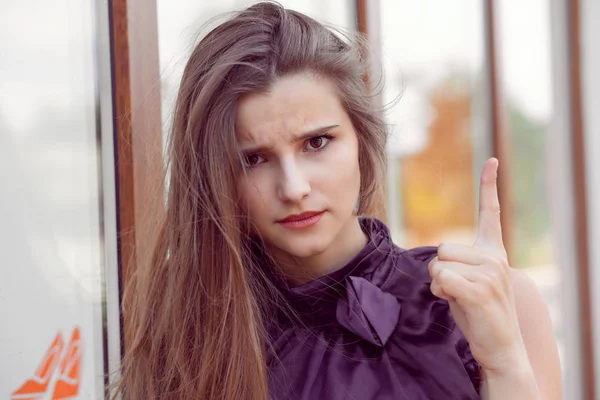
<point>293,185</point>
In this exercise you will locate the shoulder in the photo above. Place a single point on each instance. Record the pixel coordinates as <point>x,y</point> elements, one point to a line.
<point>531,308</point>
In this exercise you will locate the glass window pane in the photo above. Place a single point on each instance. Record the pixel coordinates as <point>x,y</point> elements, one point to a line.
<point>433,64</point>
<point>51,340</point>
<point>524,39</point>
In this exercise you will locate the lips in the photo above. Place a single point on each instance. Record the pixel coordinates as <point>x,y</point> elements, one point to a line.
<point>301,221</point>
<point>300,217</point>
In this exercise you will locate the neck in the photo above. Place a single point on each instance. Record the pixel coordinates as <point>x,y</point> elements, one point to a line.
<point>349,242</point>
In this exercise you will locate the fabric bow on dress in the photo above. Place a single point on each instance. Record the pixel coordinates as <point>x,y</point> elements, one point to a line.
<point>367,311</point>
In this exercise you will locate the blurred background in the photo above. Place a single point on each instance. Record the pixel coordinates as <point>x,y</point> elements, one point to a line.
<point>87,89</point>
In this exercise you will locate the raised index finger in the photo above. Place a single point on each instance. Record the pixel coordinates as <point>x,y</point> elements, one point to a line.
<point>489,230</point>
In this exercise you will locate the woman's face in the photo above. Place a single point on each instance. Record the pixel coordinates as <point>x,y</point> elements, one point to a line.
<point>302,176</point>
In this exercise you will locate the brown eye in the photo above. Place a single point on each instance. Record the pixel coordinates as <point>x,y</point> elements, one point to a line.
<point>252,160</point>
<point>317,143</point>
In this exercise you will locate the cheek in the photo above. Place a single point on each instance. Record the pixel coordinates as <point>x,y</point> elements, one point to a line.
<point>340,178</point>
<point>251,196</point>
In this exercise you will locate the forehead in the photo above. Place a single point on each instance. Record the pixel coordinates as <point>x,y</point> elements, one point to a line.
<point>293,104</point>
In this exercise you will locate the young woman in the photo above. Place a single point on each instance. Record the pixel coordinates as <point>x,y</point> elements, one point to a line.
<point>266,284</point>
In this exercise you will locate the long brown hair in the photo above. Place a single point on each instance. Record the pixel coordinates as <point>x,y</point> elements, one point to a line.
<point>198,308</point>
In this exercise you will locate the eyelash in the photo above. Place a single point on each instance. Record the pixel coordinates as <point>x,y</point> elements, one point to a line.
<point>326,136</point>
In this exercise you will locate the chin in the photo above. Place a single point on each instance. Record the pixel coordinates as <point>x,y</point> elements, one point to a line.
<point>304,247</point>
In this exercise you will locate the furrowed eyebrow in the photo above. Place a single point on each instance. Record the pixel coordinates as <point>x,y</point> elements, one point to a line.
<point>312,133</point>
<point>296,138</point>
<point>255,149</point>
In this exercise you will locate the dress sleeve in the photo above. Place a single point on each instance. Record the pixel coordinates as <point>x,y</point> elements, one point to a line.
<point>471,365</point>
<point>425,255</point>
<point>436,311</point>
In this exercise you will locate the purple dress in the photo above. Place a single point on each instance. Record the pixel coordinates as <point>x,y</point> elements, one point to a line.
<point>371,330</point>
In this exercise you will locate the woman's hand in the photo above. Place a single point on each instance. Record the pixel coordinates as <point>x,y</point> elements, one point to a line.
<point>475,281</point>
